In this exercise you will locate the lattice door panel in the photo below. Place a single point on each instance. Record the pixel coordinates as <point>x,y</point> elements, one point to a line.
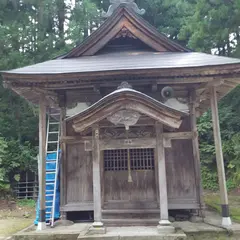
<point>140,159</point>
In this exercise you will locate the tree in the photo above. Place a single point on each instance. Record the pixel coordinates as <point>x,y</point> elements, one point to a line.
<point>35,31</point>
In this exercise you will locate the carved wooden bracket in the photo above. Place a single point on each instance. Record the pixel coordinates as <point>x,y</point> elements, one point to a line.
<point>124,32</point>
<point>126,117</point>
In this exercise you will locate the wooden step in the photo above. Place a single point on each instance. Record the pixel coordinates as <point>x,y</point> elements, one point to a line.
<point>131,205</point>
<point>130,213</point>
<point>131,222</point>
<point>135,211</point>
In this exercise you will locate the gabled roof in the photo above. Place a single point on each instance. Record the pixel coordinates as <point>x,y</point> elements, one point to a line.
<point>124,19</point>
<point>157,60</point>
<point>127,99</point>
<point>126,61</point>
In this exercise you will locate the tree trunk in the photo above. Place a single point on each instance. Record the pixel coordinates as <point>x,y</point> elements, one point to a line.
<point>61,7</point>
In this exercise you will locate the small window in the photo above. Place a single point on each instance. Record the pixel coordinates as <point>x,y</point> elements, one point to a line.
<point>140,159</point>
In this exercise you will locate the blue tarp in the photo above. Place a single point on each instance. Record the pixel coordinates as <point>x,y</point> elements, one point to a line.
<point>50,178</point>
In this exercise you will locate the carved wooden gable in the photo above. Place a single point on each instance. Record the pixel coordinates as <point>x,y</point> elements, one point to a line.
<point>134,132</point>
<point>124,22</point>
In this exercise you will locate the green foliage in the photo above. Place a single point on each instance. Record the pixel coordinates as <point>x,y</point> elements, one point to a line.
<point>229,114</point>
<point>15,158</point>
<point>32,31</point>
<point>84,19</point>
<point>26,203</point>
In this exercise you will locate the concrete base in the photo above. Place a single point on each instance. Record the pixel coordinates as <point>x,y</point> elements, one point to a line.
<point>226,222</point>
<point>166,229</point>
<point>134,233</point>
<point>96,230</point>
<point>41,226</point>
<point>164,223</point>
<point>97,224</point>
<point>177,236</point>
<point>80,231</point>
<point>196,219</point>
<point>213,230</point>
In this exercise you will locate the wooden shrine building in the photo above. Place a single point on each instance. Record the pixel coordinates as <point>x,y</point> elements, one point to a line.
<point>129,99</point>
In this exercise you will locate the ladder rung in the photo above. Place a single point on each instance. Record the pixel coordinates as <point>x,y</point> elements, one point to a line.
<point>53,141</point>
<point>54,123</point>
<point>53,132</point>
<point>51,172</point>
<point>50,161</point>
<point>48,212</point>
<point>49,195</point>
<point>52,151</point>
<point>50,183</point>
<point>54,114</point>
<point>49,201</point>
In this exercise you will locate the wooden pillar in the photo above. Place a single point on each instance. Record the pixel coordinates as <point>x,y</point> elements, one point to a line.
<point>63,165</point>
<point>226,220</point>
<point>42,163</point>
<point>97,225</point>
<point>164,224</point>
<point>196,153</point>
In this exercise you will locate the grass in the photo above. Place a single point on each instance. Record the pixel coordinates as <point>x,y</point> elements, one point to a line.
<point>212,200</point>
<point>26,203</point>
<point>10,226</point>
<point>211,236</point>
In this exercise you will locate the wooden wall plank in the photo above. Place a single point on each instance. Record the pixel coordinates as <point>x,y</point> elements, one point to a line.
<point>180,170</point>
<point>117,187</point>
<point>79,174</point>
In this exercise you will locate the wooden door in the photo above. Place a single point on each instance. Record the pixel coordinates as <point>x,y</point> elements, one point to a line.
<point>117,189</point>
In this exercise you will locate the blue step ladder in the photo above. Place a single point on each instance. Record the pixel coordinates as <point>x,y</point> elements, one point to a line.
<point>52,165</point>
<point>52,169</point>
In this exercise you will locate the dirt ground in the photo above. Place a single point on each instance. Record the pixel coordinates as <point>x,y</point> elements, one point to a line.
<point>15,217</point>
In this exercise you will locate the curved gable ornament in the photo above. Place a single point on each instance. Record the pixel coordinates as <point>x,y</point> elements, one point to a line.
<point>129,3</point>
<point>126,117</point>
<point>125,106</point>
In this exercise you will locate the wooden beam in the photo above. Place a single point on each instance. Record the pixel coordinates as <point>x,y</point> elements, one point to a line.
<point>108,144</point>
<point>112,144</point>
<point>50,96</point>
<point>226,221</point>
<point>178,135</point>
<point>42,163</point>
